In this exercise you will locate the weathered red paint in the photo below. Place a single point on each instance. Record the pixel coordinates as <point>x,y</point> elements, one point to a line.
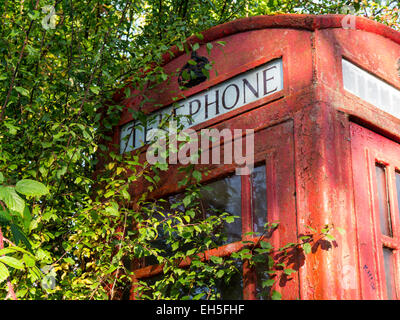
<point>368,149</point>
<point>306,135</point>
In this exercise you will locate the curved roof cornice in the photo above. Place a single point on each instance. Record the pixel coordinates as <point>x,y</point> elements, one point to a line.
<point>291,21</point>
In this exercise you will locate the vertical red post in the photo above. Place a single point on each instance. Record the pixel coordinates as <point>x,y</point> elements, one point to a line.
<point>249,273</point>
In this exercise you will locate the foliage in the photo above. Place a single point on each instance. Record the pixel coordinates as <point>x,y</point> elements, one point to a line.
<point>57,72</point>
<point>15,218</point>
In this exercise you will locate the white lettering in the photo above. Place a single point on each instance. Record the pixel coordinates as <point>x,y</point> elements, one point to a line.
<point>224,97</point>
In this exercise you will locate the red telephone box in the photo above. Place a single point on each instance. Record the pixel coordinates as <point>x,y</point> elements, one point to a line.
<point>323,98</point>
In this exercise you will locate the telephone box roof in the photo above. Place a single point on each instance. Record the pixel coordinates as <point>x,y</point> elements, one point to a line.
<point>287,21</point>
<point>281,21</point>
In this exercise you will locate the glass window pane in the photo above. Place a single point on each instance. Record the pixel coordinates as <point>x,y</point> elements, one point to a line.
<point>383,200</point>
<point>224,288</point>
<point>126,137</point>
<point>146,292</point>
<point>225,196</point>
<point>262,275</point>
<point>167,208</point>
<point>388,261</point>
<point>259,187</point>
<point>398,190</point>
<point>233,290</point>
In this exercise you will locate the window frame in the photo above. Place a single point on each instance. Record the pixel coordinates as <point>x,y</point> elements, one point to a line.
<point>248,273</point>
<point>274,147</point>
<point>392,241</point>
<point>369,150</point>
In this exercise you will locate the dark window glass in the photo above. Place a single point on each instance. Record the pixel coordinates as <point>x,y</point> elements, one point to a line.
<point>227,289</point>
<point>225,196</point>
<point>146,292</point>
<point>262,275</point>
<point>398,190</point>
<point>383,200</point>
<point>259,186</point>
<point>388,261</point>
<point>233,290</point>
<point>163,210</point>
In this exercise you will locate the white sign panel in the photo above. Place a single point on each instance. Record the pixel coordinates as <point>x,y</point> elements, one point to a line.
<point>371,89</point>
<point>224,97</point>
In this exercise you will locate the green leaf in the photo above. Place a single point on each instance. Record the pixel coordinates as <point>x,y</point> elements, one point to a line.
<point>187,200</point>
<point>95,89</point>
<point>199,35</point>
<point>22,91</point>
<point>199,296</point>
<point>61,172</point>
<point>149,179</point>
<point>195,47</point>
<point>34,15</point>
<point>289,271</point>
<point>12,200</point>
<point>69,260</point>
<point>12,262</point>
<point>276,295</point>
<point>13,249</point>
<point>162,166</point>
<point>330,237</point>
<point>209,47</point>
<point>111,269</point>
<point>220,273</point>
<point>19,237</point>
<point>4,273</point>
<point>35,273</point>
<point>109,193</point>
<point>27,218</point>
<point>197,175</point>
<point>5,216</point>
<point>265,245</point>
<point>113,209</point>
<point>21,293</point>
<point>175,246</point>
<point>273,225</point>
<point>307,248</point>
<point>30,187</point>
<point>230,219</point>
<point>125,194</point>
<point>312,229</point>
<point>180,46</point>
<point>1,177</point>
<point>216,260</point>
<point>11,128</point>
<point>268,283</point>
<point>29,260</point>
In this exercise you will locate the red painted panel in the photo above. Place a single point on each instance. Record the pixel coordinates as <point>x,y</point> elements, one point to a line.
<point>370,51</point>
<point>370,149</point>
<point>261,46</point>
